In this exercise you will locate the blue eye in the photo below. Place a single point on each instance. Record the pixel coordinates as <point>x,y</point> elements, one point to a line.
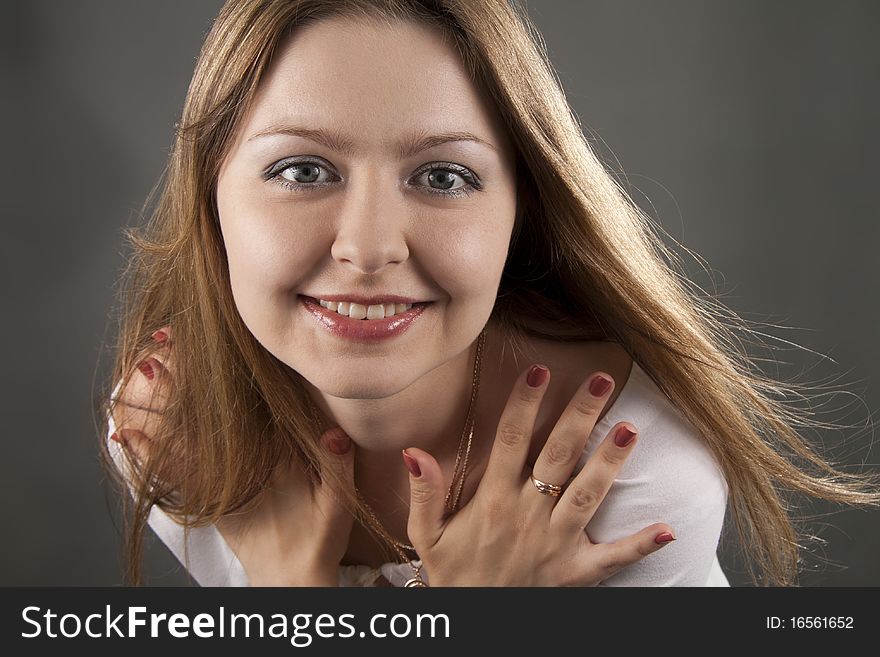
<point>443,174</point>
<point>299,174</point>
<point>310,175</point>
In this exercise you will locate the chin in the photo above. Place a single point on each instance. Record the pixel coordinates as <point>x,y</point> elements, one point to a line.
<point>360,390</point>
<point>361,387</point>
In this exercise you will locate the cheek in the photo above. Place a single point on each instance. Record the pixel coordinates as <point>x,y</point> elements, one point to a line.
<point>268,252</point>
<point>471,254</point>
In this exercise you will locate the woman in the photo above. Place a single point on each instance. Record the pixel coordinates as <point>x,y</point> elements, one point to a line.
<point>378,230</point>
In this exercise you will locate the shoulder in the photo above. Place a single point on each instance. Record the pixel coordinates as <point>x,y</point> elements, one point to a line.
<point>570,364</point>
<point>669,445</point>
<point>671,476</point>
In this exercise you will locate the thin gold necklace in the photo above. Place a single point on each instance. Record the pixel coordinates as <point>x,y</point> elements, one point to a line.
<point>458,475</point>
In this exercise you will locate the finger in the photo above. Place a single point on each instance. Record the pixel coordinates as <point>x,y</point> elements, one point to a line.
<point>156,369</point>
<point>148,377</point>
<point>515,428</point>
<point>605,559</point>
<point>427,506</point>
<point>339,475</point>
<point>585,493</point>
<point>145,397</point>
<point>137,411</point>
<point>137,442</point>
<point>163,335</point>
<point>557,459</point>
<point>163,352</point>
<point>163,339</point>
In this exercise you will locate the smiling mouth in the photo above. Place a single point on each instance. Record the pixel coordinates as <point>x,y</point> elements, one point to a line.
<point>360,311</point>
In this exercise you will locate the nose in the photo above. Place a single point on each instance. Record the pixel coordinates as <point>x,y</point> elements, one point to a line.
<point>370,232</point>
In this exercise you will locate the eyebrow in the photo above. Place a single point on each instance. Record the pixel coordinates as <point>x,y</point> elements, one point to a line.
<point>340,143</point>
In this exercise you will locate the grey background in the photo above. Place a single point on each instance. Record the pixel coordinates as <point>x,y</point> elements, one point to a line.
<point>747,129</point>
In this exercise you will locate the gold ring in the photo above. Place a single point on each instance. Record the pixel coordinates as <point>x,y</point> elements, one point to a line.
<point>546,489</point>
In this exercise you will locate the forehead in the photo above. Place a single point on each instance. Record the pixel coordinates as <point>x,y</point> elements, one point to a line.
<point>372,80</point>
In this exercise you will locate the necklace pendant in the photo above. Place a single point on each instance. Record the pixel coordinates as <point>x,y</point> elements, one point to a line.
<point>415,582</point>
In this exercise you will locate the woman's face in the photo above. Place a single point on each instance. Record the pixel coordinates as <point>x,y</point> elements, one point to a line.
<point>351,181</point>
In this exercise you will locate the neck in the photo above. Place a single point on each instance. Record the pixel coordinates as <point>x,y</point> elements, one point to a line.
<point>429,414</point>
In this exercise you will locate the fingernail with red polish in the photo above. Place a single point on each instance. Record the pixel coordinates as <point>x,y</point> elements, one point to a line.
<point>119,437</point>
<point>599,386</point>
<point>146,369</point>
<point>664,538</point>
<point>623,437</point>
<point>160,336</point>
<point>411,464</point>
<point>339,444</point>
<point>537,375</point>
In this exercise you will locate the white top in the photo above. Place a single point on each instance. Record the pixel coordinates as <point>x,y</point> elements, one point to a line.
<point>671,476</point>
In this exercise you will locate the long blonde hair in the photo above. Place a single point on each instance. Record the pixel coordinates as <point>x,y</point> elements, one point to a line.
<point>584,264</point>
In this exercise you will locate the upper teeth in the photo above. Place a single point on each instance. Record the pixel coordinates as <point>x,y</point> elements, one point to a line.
<point>359,311</point>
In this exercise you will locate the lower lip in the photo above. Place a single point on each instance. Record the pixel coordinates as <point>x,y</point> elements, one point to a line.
<point>363,330</point>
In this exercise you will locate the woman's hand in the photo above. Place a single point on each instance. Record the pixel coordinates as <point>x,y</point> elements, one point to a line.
<point>297,534</point>
<point>511,534</point>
